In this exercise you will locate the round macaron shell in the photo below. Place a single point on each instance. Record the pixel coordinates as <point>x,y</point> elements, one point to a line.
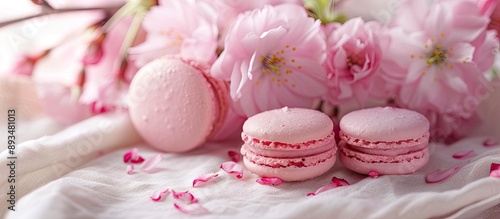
<point>172,105</point>
<point>296,125</point>
<point>384,124</point>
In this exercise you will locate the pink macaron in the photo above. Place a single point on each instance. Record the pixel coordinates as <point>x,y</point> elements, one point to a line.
<point>175,105</point>
<point>384,140</point>
<point>292,144</point>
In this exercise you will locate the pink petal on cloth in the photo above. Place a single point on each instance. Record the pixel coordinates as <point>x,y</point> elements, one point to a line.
<point>159,195</point>
<point>150,163</point>
<point>130,169</point>
<point>440,175</point>
<point>323,188</point>
<point>489,142</point>
<point>272,181</point>
<point>495,170</point>
<point>373,174</point>
<point>233,169</point>
<point>235,156</point>
<point>184,196</point>
<point>340,182</point>
<point>192,209</point>
<point>204,179</point>
<point>464,154</point>
<point>132,154</point>
<point>138,159</point>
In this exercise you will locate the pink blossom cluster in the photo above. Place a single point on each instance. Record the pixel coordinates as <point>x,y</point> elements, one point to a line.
<point>433,57</point>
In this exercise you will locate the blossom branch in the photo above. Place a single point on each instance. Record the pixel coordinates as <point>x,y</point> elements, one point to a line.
<point>49,10</point>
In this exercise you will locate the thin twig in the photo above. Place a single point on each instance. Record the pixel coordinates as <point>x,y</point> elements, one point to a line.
<point>49,11</point>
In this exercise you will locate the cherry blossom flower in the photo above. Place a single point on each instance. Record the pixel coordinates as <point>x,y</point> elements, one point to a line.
<point>436,54</point>
<point>228,11</point>
<point>354,55</point>
<point>273,59</point>
<point>179,27</point>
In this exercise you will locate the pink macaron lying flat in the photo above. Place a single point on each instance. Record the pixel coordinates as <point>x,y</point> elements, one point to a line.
<point>292,144</point>
<point>384,140</point>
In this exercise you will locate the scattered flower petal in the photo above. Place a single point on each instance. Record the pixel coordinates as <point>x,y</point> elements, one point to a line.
<point>323,188</point>
<point>495,170</point>
<point>184,196</point>
<point>272,181</point>
<point>159,195</point>
<point>129,154</point>
<point>138,159</point>
<point>373,174</point>
<point>440,175</point>
<point>150,163</point>
<point>132,156</point>
<point>233,169</point>
<point>204,179</point>
<point>235,156</point>
<point>489,142</point>
<point>192,209</point>
<point>130,169</point>
<point>336,182</point>
<point>340,182</point>
<point>464,154</point>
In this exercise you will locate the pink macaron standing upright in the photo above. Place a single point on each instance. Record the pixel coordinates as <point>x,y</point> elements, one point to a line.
<point>176,106</point>
<point>292,144</point>
<point>384,140</point>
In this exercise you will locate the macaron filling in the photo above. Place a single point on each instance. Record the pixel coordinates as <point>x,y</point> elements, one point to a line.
<point>387,151</point>
<point>348,151</point>
<point>302,161</point>
<point>424,139</point>
<point>282,150</point>
<point>263,144</point>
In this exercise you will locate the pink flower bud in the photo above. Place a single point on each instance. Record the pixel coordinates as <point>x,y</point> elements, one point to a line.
<point>94,51</point>
<point>23,65</point>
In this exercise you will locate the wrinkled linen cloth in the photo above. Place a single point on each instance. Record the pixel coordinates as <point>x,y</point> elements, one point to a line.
<point>78,172</point>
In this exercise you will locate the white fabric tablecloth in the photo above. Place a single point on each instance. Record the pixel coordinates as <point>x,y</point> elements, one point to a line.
<point>78,172</point>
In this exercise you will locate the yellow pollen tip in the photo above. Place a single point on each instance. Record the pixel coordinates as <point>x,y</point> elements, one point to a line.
<point>432,40</point>
<point>293,60</point>
<point>421,57</point>
<point>294,48</point>
<point>423,73</point>
<point>451,66</point>
<point>287,46</point>
<point>426,46</point>
<point>412,56</point>
<point>299,67</point>
<point>293,85</point>
<point>442,34</point>
<point>257,83</point>
<point>285,80</point>
<point>272,79</point>
<point>436,79</point>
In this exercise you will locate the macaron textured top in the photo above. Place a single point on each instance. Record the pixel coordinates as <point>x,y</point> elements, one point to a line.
<point>384,124</point>
<point>289,125</point>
